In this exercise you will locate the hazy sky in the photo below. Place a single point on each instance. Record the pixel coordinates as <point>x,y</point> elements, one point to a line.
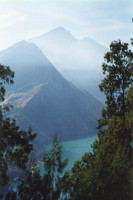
<point>101,20</point>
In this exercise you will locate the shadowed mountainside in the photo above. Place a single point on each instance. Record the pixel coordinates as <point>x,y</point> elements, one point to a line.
<point>44,100</point>
<point>79,61</point>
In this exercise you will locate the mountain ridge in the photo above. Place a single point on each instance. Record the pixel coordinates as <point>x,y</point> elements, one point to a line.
<point>79,61</point>
<point>45,100</point>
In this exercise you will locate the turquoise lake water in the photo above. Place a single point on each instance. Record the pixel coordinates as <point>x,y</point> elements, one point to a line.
<point>74,150</point>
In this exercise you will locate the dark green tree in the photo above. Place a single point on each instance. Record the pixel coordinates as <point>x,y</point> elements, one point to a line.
<point>47,186</point>
<point>117,68</point>
<point>106,173</point>
<point>15,145</point>
<point>54,166</point>
<point>6,77</point>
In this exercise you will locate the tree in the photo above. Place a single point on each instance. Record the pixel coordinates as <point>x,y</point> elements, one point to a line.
<point>106,173</point>
<point>47,186</point>
<point>15,145</point>
<point>6,77</point>
<point>118,67</point>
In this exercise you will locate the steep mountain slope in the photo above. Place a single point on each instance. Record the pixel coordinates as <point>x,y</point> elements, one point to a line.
<point>44,100</point>
<point>78,60</point>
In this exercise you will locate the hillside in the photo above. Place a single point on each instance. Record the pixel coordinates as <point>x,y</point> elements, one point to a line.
<point>44,100</point>
<point>79,61</point>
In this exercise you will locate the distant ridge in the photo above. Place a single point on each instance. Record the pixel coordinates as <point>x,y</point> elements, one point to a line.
<point>79,61</point>
<point>58,31</point>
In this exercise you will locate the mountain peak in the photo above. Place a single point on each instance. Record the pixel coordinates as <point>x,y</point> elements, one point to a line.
<point>56,34</point>
<point>23,53</point>
<point>24,44</point>
<point>60,29</point>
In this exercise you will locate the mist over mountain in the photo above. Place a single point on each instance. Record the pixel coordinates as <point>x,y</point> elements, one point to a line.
<point>44,100</point>
<point>79,61</point>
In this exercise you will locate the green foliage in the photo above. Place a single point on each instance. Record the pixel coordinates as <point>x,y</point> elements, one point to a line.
<point>118,68</point>
<point>30,187</point>
<point>117,86</point>
<point>53,163</point>
<point>129,113</point>
<point>101,176</point>
<point>106,173</point>
<point>6,76</point>
<point>48,186</point>
<point>15,145</point>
